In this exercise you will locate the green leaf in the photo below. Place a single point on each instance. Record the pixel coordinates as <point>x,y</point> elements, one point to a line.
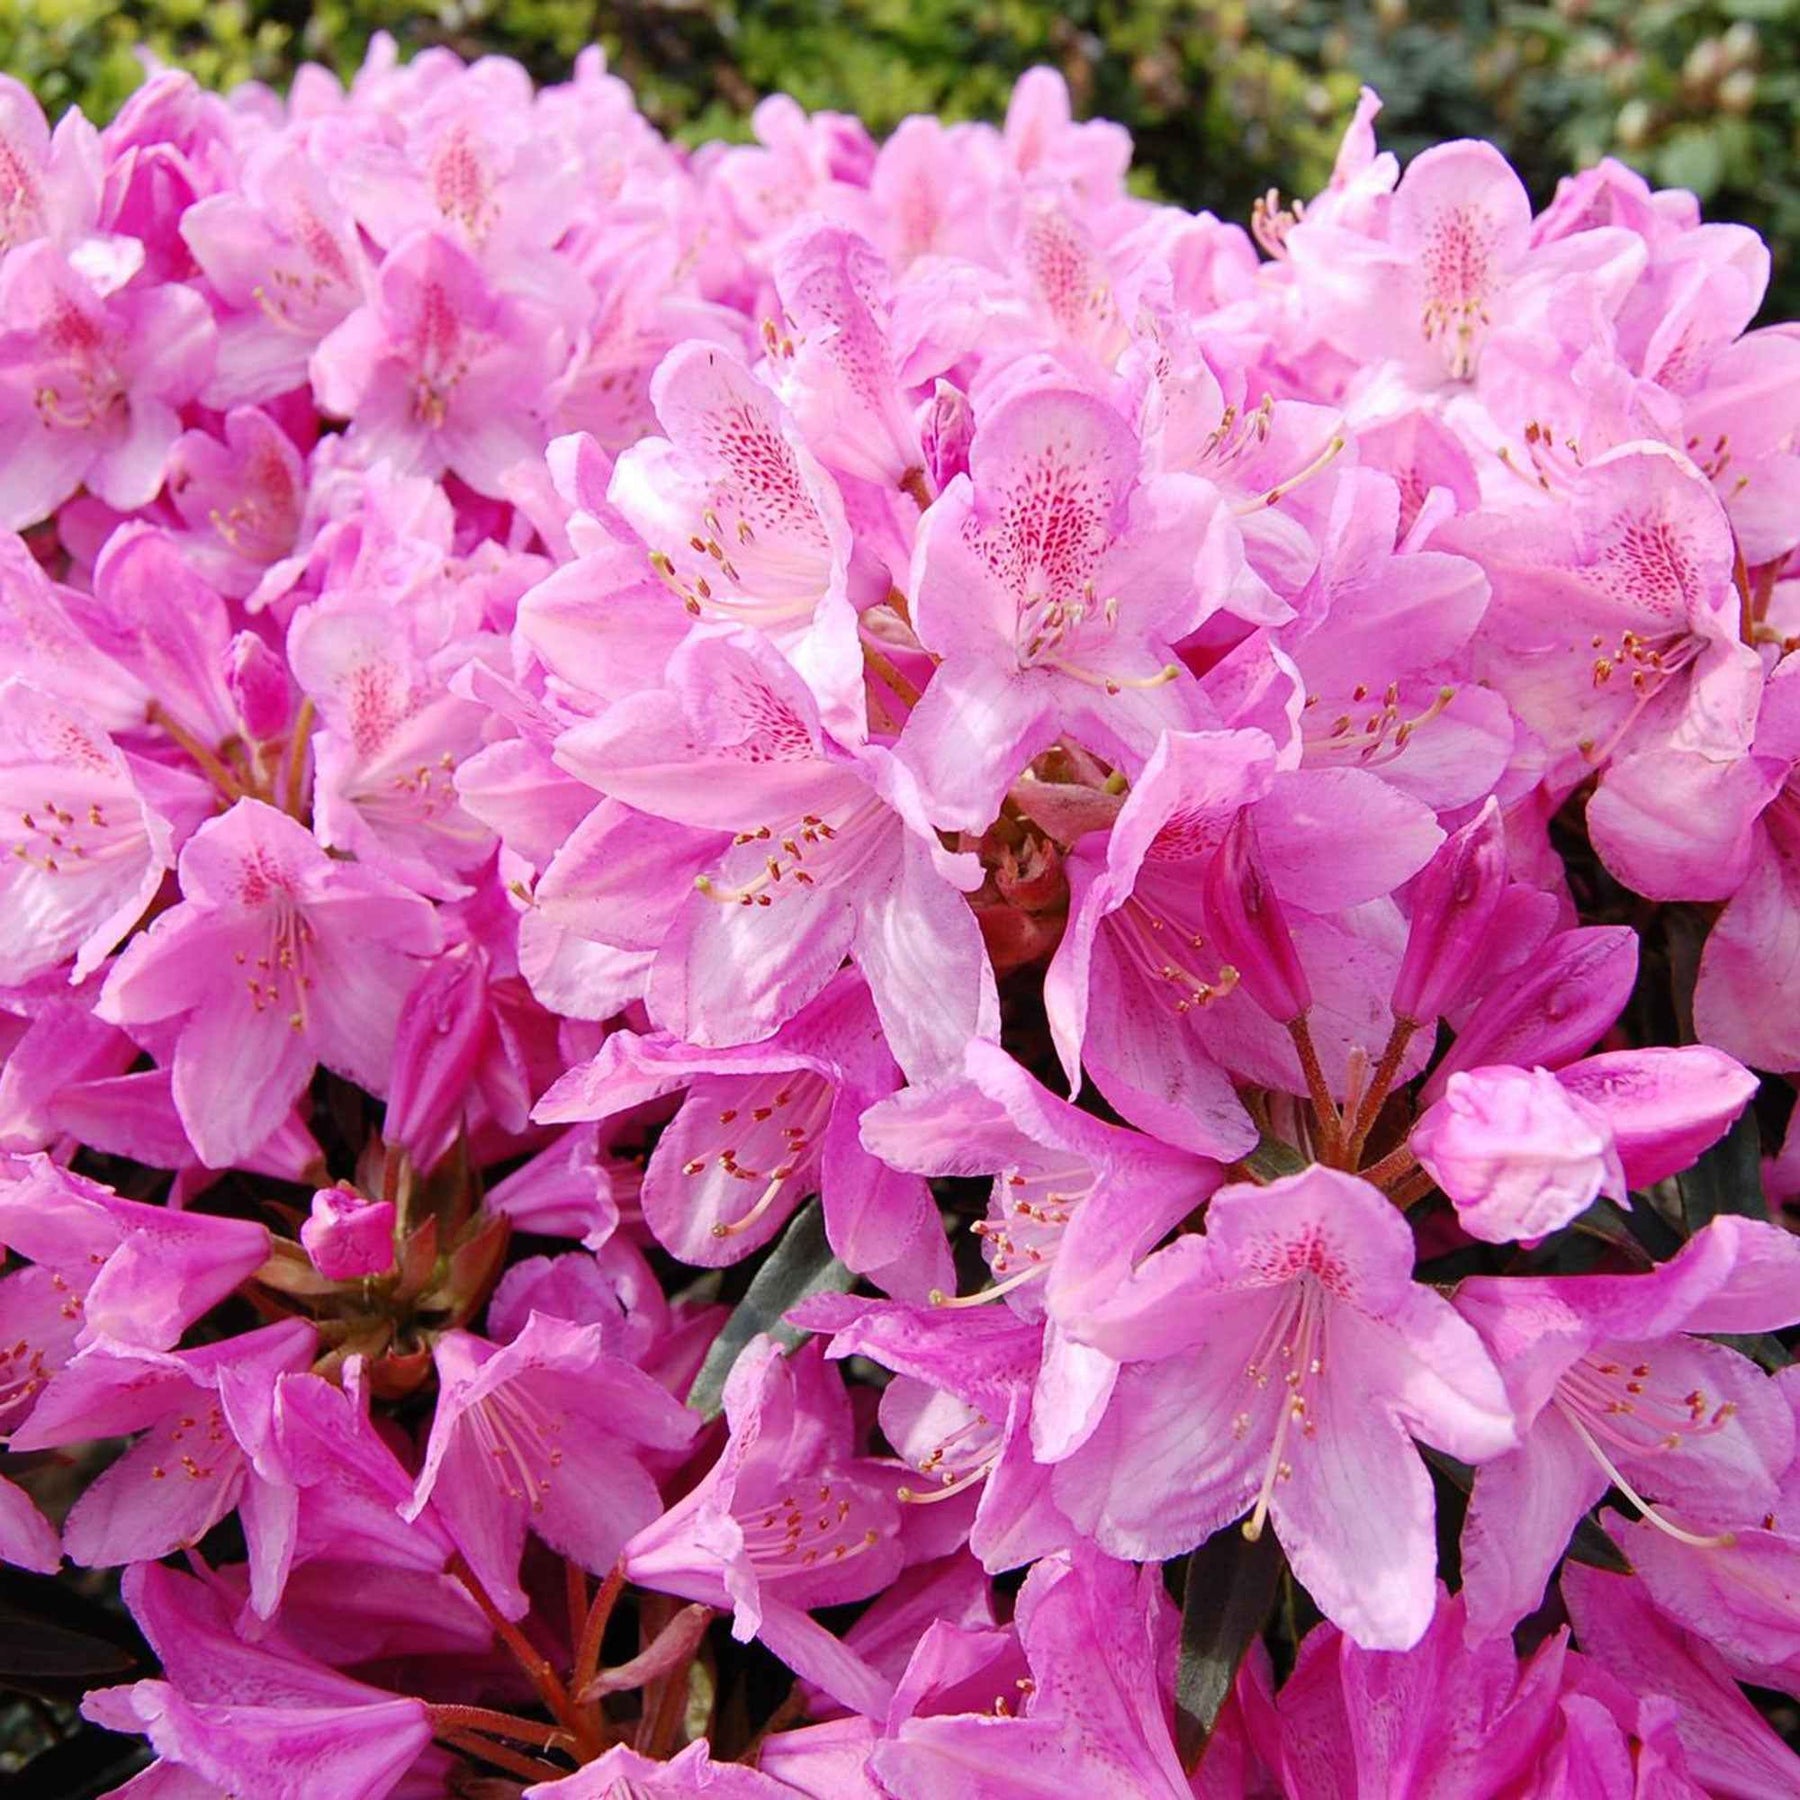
<point>1694,157</point>
<point>1230,1586</point>
<point>1762,1347</point>
<point>1271,1160</point>
<point>1727,1179</point>
<point>799,1266</point>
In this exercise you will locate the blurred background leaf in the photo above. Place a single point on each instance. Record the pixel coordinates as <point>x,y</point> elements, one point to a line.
<point>1226,98</point>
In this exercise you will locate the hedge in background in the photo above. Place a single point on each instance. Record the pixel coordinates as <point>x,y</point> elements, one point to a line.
<point>1224,97</point>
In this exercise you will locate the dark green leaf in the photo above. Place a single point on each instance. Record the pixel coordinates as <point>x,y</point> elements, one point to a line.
<point>1272,1159</point>
<point>1761,1347</point>
<point>1727,1179</point>
<point>1589,1544</point>
<point>1230,1586</point>
<point>799,1266</point>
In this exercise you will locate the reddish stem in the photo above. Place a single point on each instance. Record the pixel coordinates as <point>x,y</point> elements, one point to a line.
<point>525,1653</point>
<point>1379,1086</point>
<point>215,770</point>
<point>575,1601</point>
<point>527,1768</point>
<point>1393,1167</point>
<point>295,770</point>
<point>593,1631</point>
<point>496,1724</point>
<point>1330,1124</point>
<point>891,676</point>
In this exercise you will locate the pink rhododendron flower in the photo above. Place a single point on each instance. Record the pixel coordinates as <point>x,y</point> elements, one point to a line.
<point>299,959</point>
<point>517,1442</point>
<point>1125,881</point>
<point>1611,1391</point>
<point>1295,1325</point>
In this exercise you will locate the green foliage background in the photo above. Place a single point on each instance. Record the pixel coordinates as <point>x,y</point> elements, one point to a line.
<point>1225,97</point>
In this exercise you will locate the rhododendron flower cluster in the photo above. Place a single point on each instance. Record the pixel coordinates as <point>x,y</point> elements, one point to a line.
<point>838,968</point>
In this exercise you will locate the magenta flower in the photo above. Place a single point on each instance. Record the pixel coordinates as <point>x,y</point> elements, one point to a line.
<point>254,1717</point>
<point>91,382</point>
<point>391,736</point>
<point>192,1466</point>
<point>829,856</point>
<point>109,1269</point>
<point>622,1771</point>
<point>1053,582</point>
<point>283,254</point>
<point>442,370</point>
<point>1731,1749</point>
<point>1614,624</point>
<point>1610,1391</point>
<point>760,1127</point>
<point>543,1434</point>
<point>53,176</point>
<point>1140,992</point>
<point>347,1235</point>
<point>959,1412</point>
<point>1278,1366</point>
<point>838,372</point>
<point>742,524</point>
<point>278,958</point>
<point>1521,1152</point>
<point>1074,1201</point>
<point>242,497</point>
<point>1099,1637</point>
<point>89,848</point>
<point>1443,1718</point>
<point>787,1519</point>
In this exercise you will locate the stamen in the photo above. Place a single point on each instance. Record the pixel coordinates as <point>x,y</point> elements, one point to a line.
<point>1719,1541</point>
<point>731,1227</point>
<point>912,1497</point>
<point>1273,496</point>
<point>940,1298</point>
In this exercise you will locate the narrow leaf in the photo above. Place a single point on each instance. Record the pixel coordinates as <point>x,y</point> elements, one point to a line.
<point>1727,1179</point>
<point>1230,1586</point>
<point>799,1266</point>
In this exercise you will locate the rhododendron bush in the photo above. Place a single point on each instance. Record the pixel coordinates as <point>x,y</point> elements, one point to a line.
<point>837,969</point>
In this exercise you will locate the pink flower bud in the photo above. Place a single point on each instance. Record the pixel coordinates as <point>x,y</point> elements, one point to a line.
<point>1249,928</point>
<point>349,1235</point>
<point>444,1028</point>
<point>259,685</point>
<point>946,429</point>
<point>1516,1152</point>
<point>1453,904</point>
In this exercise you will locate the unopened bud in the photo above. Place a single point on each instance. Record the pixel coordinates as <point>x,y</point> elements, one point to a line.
<point>443,1031</point>
<point>1453,904</point>
<point>1250,931</point>
<point>260,689</point>
<point>349,1235</point>
<point>946,429</point>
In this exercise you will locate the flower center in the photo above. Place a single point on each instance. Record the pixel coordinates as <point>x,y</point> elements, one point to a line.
<point>800,1531</point>
<point>277,978</point>
<point>957,1461</point>
<point>1291,1350</point>
<point>774,1130</point>
<point>814,851</point>
<point>1374,737</point>
<point>1618,1408</point>
<point>520,1433</point>
<point>1163,950</point>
